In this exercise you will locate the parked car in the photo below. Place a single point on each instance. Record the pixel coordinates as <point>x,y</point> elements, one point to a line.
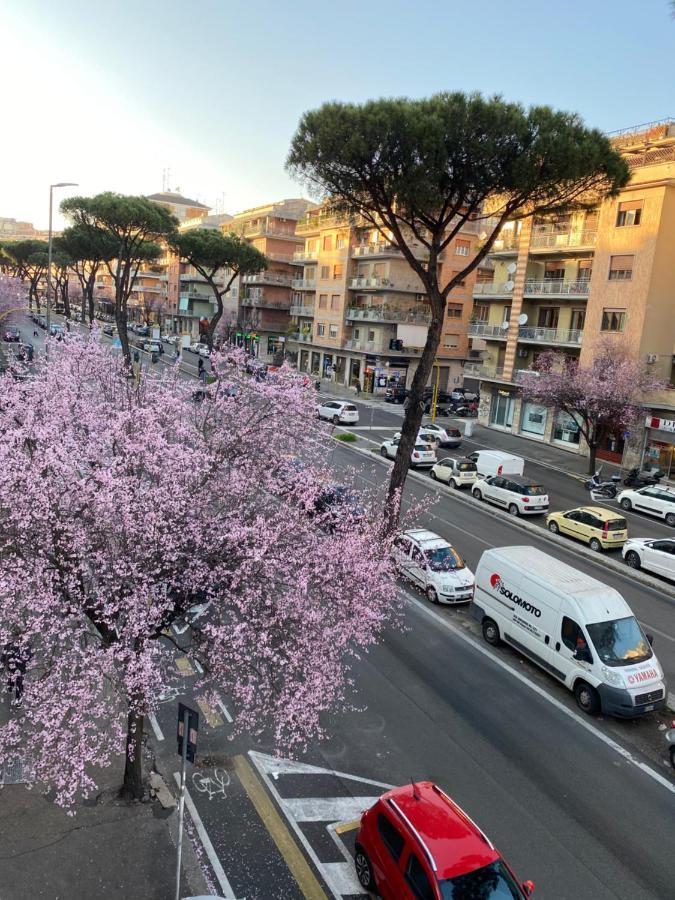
<point>338,412</point>
<point>496,462</point>
<point>446,435</point>
<point>600,528</point>
<point>434,565</point>
<point>395,394</point>
<point>12,334</point>
<point>152,346</point>
<point>652,555</point>
<point>654,500</point>
<point>424,437</point>
<point>422,454</point>
<point>337,506</point>
<point>142,330</point>
<point>108,329</point>
<point>25,352</point>
<point>415,842</point>
<point>455,472</point>
<point>172,339</point>
<point>57,331</point>
<point>521,496</point>
<point>201,349</point>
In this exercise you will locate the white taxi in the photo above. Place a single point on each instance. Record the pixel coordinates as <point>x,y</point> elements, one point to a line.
<point>430,562</point>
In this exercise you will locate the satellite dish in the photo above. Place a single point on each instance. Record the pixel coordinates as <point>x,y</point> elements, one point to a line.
<point>511,268</point>
<point>522,319</point>
<point>509,286</point>
<point>505,325</point>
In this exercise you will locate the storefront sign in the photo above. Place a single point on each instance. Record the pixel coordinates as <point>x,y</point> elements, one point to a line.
<point>660,424</point>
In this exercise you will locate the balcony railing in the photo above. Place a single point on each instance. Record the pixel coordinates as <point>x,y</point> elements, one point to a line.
<point>475,370</point>
<point>550,335</point>
<point>557,240</point>
<point>260,300</point>
<point>301,310</point>
<point>197,297</point>
<point>376,250</point>
<point>301,255</point>
<point>387,314</point>
<point>300,336</point>
<point>481,329</point>
<point>508,242</point>
<point>556,288</point>
<point>376,283</point>
<point>268,278</point>
<point>489,288</point>
<point>303,284</point>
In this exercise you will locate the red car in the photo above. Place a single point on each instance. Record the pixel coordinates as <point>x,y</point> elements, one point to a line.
<point>416,843</point>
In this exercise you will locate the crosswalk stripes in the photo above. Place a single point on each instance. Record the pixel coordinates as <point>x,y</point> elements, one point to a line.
<point>319,797</point>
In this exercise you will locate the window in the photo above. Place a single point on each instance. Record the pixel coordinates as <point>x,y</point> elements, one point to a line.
<point>310,273</point>
<point>548,317</point>
<point>391,838</point>
<point>379,270</point>
<point>357,334</point>
<point>620,268</point>
<point>371,335</point>
<point>332,331</point>
<point>328,242</point>
<point>481,312</point>
<point>323,301</point>
<point>312,246</point>
<point>335,301</point>
<point>320,329</point>
<point>629,213</point>
<point>554,272</point>
<point>417,879</point>
<point>571,634</point>
<point>337,271</point>
<point>454,311</point>
<point>566,429</point>
<point>325,273</point>
<point>341,241</point>
<point>462,247</point>
<point>613,319</point>
<point>451,341</point>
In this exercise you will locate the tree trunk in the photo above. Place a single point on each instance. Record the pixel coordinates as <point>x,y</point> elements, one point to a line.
<point>89,294</point>
<point>213,324</point>
<point>132,787</point>
<point>592,453</point>
<point>413,414</point>
<point>65,297</point>
<point>121,322</point>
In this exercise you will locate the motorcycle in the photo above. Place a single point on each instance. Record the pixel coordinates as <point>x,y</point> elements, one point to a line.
<point>603,488</point>
<point>670,738</point>
<point>637,478</point>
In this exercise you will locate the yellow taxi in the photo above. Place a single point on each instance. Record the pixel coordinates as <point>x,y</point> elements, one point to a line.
<point>600,528</point>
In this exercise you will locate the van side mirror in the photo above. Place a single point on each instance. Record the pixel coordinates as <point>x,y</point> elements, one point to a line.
<point>528,887</point>
<point>650,638</point>
<point>583,654</point>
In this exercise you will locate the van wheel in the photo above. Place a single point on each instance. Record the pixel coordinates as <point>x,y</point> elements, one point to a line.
<point>364,871</point>
<point>595,544</point>
<point>491,632</point>
<point>626,504</point>
<point>670,520</point>
<point>477,495</point>
<point>432,595</point>
<point>513,509</point>
<point>587,698</point>
<point>553,528</point>
<point>633,560</point>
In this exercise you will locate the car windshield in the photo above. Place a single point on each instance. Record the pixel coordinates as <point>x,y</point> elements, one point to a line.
<point>493,882</point>
<point>444,559</point>
<point>533,490</point>
<point>620,642</point>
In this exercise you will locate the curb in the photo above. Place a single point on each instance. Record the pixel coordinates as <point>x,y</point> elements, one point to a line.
<point>667,590</point>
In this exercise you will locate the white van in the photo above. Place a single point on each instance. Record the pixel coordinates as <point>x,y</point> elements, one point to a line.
<point>578,629</point>
<point>495,462</point>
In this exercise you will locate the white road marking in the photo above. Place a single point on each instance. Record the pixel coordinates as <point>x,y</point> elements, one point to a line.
<point>224,710</point>
<point>228,893</point>
<point>152,718</point>
<point>670,700</point>
<point>621,751</point>
<point>198,666</point>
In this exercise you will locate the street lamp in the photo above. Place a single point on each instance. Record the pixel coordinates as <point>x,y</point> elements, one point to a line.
<point>49,249</point>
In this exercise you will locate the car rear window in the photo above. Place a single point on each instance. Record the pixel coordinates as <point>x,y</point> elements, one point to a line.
<point>467,467</point>
<point>350,407</point>
<point>454,432</point>
<point>422,448</point>
<point>533,490</point>
<point>617,525</point>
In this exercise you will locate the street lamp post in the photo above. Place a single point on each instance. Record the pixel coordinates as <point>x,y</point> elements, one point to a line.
<point>49,250</point>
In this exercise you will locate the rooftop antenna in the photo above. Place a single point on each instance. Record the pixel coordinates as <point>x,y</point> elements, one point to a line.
<point>416,793</point>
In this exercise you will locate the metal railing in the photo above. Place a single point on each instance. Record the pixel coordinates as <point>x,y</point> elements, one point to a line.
<point>303,284</point>
<point>550,335</point>
<point>301,337</point>
<point>562,239</point>
<point>481,329</point>
<point>267,303</point>
<point>268,278</point>
<point>377,283</point>
<point>557,287</point>
<point>508,242</point>
<point>301,310</point>
<point>299,255</point>
<point>487,288</point>
<point>385,314</point>
<point>376,250</point>
<point>476,370</point>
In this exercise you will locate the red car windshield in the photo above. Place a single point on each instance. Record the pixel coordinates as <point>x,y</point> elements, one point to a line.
<point>493,882</point>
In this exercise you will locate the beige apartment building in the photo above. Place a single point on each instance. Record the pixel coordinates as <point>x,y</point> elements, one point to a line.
<point>360,312</point>
<point>563,282</point>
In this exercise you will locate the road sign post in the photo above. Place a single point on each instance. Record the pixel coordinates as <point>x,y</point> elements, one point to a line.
<point>188,726</point>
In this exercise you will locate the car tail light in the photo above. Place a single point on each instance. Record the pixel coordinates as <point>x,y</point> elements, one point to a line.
<point>526,499</point>
<point>605,529</point>
<point>416,455</point>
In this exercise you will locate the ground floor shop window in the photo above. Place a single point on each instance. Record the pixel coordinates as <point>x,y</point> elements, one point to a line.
<point>501,412</point>
<point>660,455</point>
<point>534,417</point>
<point>566,429</point>
<point>274,344</point>
<point>316,363</point>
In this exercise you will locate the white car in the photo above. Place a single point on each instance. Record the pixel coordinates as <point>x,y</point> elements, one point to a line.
<point>171,339</point>
<point>201,349</point>
<point>338,412</point>
<point>447,437</point>
<point>433,564</point>
<point>152,346</point>
<point>455,472</point>
<point>519,495</point>
<point>653,555</point>
<point>423,437</point>
<point>653,500</point>
<point>422,454</point>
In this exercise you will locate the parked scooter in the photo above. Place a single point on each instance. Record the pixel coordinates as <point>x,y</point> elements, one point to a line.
<point>637,478</point>
<point>603,488</point>
<point>670,738</point>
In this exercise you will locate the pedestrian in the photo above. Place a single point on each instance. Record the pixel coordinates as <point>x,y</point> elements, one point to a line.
<point>201,371</point>
<point>357,386</point>
<point>35,332</point>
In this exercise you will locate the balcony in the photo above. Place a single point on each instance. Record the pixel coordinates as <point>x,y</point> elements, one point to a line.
<point>476,370</point>
<point>197,297</point>
<point>508,243</point>
<point>545,239</point>
<point>268,278</point>
<point>300,337</point>
<point>301,310</point>
<point>305,255</point>
<point>379,348</point>
<point>303,284</point>
<point>492,289</point>
<point>481,329</point>
<point>259,300</point>
<point>375,283</point>
<point>376,250</point>
<point>387,314</point>
<point>556,288</point>
<point>528,334</point>
<point>147,289</point>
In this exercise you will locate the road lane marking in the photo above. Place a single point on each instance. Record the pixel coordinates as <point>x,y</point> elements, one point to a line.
<point>152,718</point>
<point>198,666</point>
<point>291,853</point>
<point>347,826</point>
<point>219,872</point>
<point>183,665</point>
<point>224,710</point>
<point>614,745</point>
<point>211,716</point>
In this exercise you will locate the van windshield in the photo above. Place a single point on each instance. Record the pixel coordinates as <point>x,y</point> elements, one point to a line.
<point>493,882</point>
<point>444,559</point>
<point>620,642</point>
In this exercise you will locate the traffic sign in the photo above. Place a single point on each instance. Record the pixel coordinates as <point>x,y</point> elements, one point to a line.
<point>193,728</point>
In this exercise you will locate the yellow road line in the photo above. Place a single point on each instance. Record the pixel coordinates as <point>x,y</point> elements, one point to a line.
<point>184,666</point>
<point>347,826</point>
<point>293,857</point>
<point>211,716</point>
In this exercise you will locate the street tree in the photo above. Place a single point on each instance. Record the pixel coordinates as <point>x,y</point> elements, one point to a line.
<point>219,258</point>
<point>131,506</point>
<point>30,259</point>
<point>419,171</point>
<point>89,250</point>
<point>136,227</point>
<point>605,397</point>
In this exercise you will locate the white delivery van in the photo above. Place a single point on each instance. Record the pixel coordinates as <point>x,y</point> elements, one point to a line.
<point>495,462</point>
<point>576,628</point>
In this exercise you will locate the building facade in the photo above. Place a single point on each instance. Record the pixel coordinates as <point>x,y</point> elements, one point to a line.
<point>361,314</point>
<point>564,282</point>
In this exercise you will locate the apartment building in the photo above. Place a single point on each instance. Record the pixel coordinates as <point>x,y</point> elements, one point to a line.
<point>361,313</point>
<point>563,282</point>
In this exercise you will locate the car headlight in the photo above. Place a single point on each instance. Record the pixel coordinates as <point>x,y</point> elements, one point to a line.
<point>611,677</point>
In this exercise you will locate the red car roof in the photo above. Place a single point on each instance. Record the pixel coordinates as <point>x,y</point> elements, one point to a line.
<point>455,842</point>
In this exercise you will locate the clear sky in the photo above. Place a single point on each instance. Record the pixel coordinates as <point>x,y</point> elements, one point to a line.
<point>110,94</point>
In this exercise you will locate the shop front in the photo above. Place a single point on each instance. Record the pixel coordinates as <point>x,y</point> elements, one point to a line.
<point>660,445</point>
<point>502,408</point>
<point>533,420</point>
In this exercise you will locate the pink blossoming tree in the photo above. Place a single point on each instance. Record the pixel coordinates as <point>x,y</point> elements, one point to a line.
<point>603,398</point>
<point>123,506</point>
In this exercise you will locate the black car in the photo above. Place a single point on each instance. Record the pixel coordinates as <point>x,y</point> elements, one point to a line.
<point>395,394</point>
<point>336,506</point>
